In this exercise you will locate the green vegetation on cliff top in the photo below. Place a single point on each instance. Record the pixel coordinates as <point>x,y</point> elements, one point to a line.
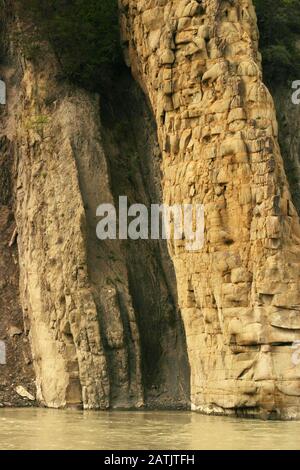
<point>279,27</point>
<point>85,37</point>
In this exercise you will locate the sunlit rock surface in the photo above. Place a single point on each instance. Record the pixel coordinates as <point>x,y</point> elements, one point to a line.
<point>198,62</point>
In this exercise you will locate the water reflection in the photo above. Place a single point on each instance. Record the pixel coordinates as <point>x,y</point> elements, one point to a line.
<point>51,429</point>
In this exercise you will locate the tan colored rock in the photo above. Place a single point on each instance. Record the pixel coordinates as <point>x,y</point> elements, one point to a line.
<point>14,331</point>
<point>24,393</point>
<point>87,314</point>
<point>251,258</point>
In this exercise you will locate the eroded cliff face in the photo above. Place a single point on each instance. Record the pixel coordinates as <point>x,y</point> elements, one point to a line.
<point>104,319</point>
<point>16,363</point>
<point>198,63</point>
<point>83,318</point>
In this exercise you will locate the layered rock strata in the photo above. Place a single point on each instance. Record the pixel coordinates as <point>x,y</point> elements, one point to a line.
<point>198,62</point>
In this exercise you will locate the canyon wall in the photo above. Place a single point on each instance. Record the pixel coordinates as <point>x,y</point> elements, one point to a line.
<point>86,325</point>
<point>199,65</point>
<point>130,324</point>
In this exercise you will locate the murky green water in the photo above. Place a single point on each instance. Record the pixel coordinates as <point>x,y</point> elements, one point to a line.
<point>51,429</point>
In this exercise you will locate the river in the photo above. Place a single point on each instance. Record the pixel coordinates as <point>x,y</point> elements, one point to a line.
<point>52,429</point>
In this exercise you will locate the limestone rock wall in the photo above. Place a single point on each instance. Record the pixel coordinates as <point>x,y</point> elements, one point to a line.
<point>74,315</point>
<point>79,298</point>
<point>198,62</point>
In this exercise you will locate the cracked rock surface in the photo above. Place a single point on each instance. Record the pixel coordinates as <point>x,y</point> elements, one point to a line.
<point>198,62</point>
<point>120,324</point>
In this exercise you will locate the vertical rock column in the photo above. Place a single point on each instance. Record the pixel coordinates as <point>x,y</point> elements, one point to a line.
<point>198,62</point>
<point>55,292</point>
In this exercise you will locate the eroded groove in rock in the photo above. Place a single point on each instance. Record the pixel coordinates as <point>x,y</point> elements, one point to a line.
<point>198,63</point>
<point>105,260</point>
<point>131,147</point>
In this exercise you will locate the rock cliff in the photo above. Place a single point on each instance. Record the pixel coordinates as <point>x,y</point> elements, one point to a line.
<point>81,299</point>
<point>132,324</point>
<point>199,64</point>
